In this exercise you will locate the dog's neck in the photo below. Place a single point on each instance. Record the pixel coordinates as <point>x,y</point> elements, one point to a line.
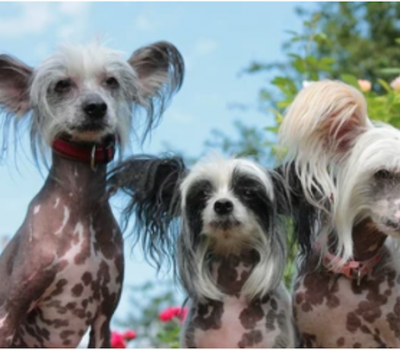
<point>367,240</point>
<point>232,271</point>
<point>77,179</point>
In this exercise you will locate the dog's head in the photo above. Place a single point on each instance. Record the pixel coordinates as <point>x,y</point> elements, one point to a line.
<point>229,202</point>
<point>89,92</point>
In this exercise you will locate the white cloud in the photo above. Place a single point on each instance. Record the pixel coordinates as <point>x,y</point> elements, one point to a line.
<point>145,24</point>
<point>205,46</point>
<point>33,18</point>
<point>75,18</point>
<point>73,8</point>
<point>66,18</point>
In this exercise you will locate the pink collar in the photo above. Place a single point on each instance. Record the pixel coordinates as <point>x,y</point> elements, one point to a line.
<point>352,269</point>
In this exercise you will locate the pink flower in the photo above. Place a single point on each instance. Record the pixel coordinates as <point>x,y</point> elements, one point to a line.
<point>117,340</point>
<point>170,312</point>
<point>395,84</point>
<point>129,335</point>
<point>365,85</point>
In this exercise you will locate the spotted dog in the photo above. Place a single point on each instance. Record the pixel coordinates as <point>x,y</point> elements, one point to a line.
<point>62,271</point>
<point>229,246</point>
<point>346,172</point>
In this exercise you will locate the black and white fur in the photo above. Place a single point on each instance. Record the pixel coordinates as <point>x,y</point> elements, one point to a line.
<point>62,272</point>
<point>229,244</point>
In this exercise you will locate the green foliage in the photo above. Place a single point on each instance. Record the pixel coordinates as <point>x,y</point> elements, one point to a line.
<point>147,302</point>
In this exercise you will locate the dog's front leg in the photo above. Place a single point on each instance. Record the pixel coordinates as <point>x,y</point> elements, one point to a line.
<point>100,333</point>
<point>30,271</point>
<point>8,326</point>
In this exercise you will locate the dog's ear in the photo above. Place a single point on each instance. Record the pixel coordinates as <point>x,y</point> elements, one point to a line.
<point>281,192</point>
<point>319,131</point>
<point>325,117</point>
<point>15,79</point>
<point>304,215</point>
<point>152,186</point>
<point>160,69</point>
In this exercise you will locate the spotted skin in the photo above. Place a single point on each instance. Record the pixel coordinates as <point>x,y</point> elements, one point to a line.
<point>235,322</point>
<point>333,311</point>
<point>62,272</point>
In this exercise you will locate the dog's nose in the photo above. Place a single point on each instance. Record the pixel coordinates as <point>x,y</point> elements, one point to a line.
<point>95,108</point>
<point>223,206</point>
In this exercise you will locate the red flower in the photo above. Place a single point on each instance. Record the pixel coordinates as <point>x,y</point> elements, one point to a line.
<point>129,335</point>
<point>170,312</point>
<point>117,340</point>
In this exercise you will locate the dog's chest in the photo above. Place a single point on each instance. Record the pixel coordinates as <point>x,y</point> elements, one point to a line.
<point>86,279</point>
<point>333,311</point>
<point>234,323</point>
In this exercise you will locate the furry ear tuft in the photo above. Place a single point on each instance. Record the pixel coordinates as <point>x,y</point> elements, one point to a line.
<point>160,69</point>
<point>326,115</point>
<point>152,186</point>
<point>15,79</point>
<point>319,131</point>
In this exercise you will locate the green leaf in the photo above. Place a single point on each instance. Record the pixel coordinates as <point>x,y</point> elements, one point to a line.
<point>389,71</point>
<point>350,79</point>
<point>384,84</point>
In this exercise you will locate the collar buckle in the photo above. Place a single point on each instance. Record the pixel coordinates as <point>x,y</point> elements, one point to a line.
<point>93,164</point>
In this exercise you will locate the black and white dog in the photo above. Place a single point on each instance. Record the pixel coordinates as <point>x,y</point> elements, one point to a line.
<point>347,291</point>
<point>229,244</point>
<point>62,272</point>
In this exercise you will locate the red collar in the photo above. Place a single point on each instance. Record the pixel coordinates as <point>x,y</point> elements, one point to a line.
<point>92,153</point>
<point>352,269</point>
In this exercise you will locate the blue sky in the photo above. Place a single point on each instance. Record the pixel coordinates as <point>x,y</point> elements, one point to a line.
<point>217,41</point>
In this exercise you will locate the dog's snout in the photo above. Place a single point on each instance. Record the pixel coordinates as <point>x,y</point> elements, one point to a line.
<point>223,206</point>
<point>95,107</point>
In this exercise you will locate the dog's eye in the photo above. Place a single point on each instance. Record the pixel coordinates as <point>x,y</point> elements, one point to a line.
<point>112,83</point>
<point>202,194</point>
<point>63,85</point>
<point>248,192</point>
<point>382,174</point>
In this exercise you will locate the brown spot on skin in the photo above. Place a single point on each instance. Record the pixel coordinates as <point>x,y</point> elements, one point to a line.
<point>353,322</point>
<point>251,315</point>
<point>71,305</point>
<point>356,345</point>
<point>209,319</point>
<point>393,318</point>
<point>65,334</point>
<point>87,278</point>
<point>58,323</point>
<point>250,339</point>
<point>228,279</point>
<point>59,287</point>
<point>369,311</point>
<point>79,313</point>
<point>77,290</point>
<point>340,342</point>
<point>84,303</point>
<point>67,342</point>
<point>318,290</point>
<point>309,340</point>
